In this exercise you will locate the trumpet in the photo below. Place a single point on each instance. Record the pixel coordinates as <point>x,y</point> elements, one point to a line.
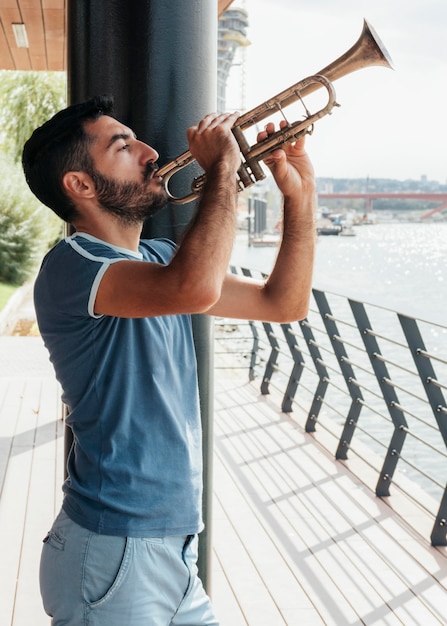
<point>367,51</point>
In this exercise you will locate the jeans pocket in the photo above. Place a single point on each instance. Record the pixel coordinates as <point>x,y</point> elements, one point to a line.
<point>54,540</point>
<point>105,564</point>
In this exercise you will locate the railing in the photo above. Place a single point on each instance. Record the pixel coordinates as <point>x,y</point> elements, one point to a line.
<point>372,378</point>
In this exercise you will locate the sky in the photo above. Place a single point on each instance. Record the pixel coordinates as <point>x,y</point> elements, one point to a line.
<point>391,123</point>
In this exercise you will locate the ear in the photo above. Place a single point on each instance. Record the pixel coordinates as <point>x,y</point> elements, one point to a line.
<point>78,184</point>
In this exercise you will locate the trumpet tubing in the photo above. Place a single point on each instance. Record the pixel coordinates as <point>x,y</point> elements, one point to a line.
<point>367,51</point>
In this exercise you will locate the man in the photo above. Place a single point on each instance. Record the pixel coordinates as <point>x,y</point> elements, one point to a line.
<point>114,314</point>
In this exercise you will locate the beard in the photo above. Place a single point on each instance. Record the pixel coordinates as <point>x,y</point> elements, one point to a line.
<point>130,202</point>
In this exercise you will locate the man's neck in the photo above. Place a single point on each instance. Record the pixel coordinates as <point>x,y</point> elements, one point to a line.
<point>112,232</point>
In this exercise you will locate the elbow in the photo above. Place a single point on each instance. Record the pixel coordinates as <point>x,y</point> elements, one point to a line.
<point>197,296</point>
<point>206,301</point>
<point>296,317</point>
<point>287,315</point>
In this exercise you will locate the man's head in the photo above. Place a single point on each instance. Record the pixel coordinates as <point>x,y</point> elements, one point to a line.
<point>83,139</point>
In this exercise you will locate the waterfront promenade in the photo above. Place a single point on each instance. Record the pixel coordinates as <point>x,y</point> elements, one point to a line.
<point>298,538</point>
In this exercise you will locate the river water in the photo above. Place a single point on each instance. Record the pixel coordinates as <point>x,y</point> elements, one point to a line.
<point>400,266</point>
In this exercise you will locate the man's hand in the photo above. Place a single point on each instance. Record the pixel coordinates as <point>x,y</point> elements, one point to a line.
<point>211,141</point>
<point>290,165</point>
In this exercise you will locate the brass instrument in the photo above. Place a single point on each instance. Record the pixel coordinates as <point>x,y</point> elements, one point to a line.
<point>367,51</point>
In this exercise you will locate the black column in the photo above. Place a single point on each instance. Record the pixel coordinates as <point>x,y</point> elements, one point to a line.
<point>158,59</point>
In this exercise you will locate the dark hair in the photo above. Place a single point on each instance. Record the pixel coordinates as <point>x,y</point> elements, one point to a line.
<point>59,146</point>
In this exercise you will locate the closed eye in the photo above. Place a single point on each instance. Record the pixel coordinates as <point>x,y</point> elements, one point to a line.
<point>121,137</point>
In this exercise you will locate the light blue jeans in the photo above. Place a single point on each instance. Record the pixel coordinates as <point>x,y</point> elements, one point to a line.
<point>88,579</point>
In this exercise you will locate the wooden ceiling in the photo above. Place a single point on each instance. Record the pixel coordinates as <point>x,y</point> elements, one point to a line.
<point>45,27</point>
<point>45,23</point>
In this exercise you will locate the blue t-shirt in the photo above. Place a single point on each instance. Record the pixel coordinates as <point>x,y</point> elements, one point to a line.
<point>130,385</point>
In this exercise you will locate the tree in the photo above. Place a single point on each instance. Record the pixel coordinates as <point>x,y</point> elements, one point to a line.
<point>27,228</point>
<point>27,100</point>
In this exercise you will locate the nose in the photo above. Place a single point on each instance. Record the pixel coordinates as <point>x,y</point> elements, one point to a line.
<point>148,153</point>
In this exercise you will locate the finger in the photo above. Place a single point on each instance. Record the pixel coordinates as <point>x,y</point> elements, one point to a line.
<point>274,157</point>
<point>297,147</point>
<point>206,122</point>
<point>269,129</point>
<point>212,120</point>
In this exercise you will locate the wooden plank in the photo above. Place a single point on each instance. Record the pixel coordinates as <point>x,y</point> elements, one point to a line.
<point>11,15</point>
<point>385,567</point>
<point>256,603</point>
<point>225,604</point>
<point>32,18</point>
<point>40,507</point>
<point>55,34</point>
<point>325,513</point>
<point>305,567</point>
<point>10,400</point>
<point>28,419</point>
<point>314,580</point>
<point>270,562</point>
<point>7,62</point>
<point>12,518</point>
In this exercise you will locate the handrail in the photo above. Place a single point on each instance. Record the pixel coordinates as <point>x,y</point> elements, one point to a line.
<point>377,387</point>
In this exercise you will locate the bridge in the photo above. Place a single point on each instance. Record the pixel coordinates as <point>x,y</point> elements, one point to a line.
<point>369,198</point>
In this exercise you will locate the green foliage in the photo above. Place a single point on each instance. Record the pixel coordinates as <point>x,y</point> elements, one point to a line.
<point>6,292</point>
<point>27,228</point>
<point>27,100</point>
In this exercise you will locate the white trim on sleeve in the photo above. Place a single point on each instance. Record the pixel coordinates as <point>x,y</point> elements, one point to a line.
<point>105,264</point>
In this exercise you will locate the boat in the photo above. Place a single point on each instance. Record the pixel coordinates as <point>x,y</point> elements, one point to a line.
<point>329,230</point>
<point>325,226</point>
<point>347,231</point>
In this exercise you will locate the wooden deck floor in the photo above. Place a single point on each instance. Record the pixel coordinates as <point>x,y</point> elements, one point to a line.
<point>298,540</point>
<point>301,540</point>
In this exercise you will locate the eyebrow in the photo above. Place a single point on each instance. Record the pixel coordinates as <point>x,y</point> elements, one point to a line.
<point>119,136</point>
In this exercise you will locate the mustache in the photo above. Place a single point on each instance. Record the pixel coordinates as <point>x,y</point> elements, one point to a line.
<point>150,169</point>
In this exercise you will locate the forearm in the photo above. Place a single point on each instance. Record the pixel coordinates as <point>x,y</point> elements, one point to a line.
<point>205,249</point>
<point>288,286</point>
<point>284,296</point>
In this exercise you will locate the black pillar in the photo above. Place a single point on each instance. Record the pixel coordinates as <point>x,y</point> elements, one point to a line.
<point>158,59</point>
